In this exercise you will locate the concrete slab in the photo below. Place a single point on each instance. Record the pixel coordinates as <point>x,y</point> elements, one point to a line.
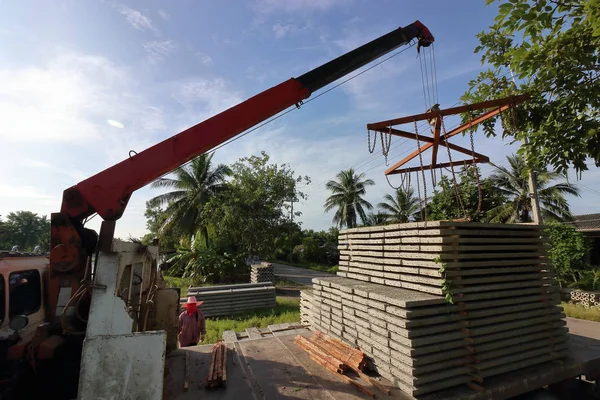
<point>254,333</point>
<point>229,336</point>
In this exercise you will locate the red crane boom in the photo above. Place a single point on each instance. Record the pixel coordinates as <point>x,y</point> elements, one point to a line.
<point>107,193</point>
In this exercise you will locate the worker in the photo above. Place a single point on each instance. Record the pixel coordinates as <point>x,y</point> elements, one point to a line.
<point>192,326</point>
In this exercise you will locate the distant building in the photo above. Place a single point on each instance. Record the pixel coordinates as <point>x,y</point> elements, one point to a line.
<point>589,225</point>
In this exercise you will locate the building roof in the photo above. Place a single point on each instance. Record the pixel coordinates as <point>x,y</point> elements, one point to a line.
<point>587,222</point>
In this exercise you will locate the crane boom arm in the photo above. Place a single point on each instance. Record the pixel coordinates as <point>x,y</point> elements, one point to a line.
<point>107,193</point>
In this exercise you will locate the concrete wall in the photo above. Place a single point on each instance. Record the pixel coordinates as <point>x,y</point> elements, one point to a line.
<point>167,313</point>
<point>123,367</point>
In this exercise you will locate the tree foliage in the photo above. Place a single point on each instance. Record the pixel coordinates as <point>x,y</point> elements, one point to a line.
<point>213,264</point>
<point>376,218</point>
<point>319,247</point>
<point>155,220</point>
<point>460,199</point>
<point>551,46</point>
<point>347,198</point>
<point>26,230</point>
<point>255,209</point>
<point>193,186</point>
<point>401,206</point>
<point>512,182</point>
<point>568,252</point>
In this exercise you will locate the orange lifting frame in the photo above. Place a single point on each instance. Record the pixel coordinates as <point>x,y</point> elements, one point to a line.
<point>438,138</point>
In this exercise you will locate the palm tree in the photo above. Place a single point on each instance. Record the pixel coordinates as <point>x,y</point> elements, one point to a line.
<point>400,207</point>
<point>512,182</point>
<point>193,186</point>
<point>347,197</point>
<point>376,218</point>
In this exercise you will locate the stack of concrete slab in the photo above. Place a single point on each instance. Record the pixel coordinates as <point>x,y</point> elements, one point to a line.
<point>262,272</point>
<point>224,300</point>
<point>442,304</point>
<point>426,256</point>
<point>306,305</point>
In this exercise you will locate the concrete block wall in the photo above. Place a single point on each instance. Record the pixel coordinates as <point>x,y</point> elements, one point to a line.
<point>442,304</point>
<point>224,300</point>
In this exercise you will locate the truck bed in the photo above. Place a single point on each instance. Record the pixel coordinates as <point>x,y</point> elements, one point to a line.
<point>274,368</point>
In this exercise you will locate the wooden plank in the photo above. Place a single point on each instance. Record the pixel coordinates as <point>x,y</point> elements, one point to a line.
<point>224,377</point>
<point>211,368</point>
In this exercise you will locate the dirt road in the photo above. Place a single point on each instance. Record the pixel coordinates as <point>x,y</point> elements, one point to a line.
<point>296,274</point>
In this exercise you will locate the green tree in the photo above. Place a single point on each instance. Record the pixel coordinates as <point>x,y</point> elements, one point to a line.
<point>255,210</point>
<point>512,182</point>
<point>568,252</point>
<point>319,247</point>
<point>215,263</point>
<point>27,230</point>
<point>6,235</point>
<point>551,47</point>
<point>400,207</point>
<point>446,204</point>
<point>375,219</point>
<point>347,198</point>
<point>155,219</point>
<point>194,185</point>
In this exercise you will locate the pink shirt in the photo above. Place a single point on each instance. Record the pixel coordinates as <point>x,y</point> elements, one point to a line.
<point>190,328</point>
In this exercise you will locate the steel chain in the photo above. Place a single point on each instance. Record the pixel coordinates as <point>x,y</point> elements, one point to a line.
<point>456,188</point>
<point>369,140</point>
<point>422,172</point>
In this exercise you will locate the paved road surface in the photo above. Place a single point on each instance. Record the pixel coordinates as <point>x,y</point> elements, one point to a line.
<point>296,274</point>
<point>583,327</point>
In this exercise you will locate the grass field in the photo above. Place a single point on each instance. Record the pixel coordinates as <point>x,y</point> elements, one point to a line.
<point>286,310</point>
<point>591,314</point>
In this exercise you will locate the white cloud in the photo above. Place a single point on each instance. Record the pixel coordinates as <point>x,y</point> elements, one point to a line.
<point>212,95</point>
<point>159,50</point>
<point>293,6</point>
<point>163,14</point>
<point>281,30</point>
<point>55,123</point>
<point>205,59</point>
<point>58,101</point>
<point>136,19</point>
<point>28,162</point>
<point>27,192</point>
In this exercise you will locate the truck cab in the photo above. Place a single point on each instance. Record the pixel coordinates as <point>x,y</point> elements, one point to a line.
<point>22,290</point>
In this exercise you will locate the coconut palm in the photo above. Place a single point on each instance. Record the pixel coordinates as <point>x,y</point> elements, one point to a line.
<point>400,207</point>
<point>376,218</point>
<point>347,198</point>
<point>512,182</point>
<point>193,186</point>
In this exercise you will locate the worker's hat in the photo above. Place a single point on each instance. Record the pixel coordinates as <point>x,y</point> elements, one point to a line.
<point>192,300</point>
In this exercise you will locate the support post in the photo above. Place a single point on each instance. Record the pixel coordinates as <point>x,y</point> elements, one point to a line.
<point>291,238</point>
<point>533,193</point>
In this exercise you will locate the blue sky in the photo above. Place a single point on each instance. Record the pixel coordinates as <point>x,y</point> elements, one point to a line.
<point>158,67</point>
